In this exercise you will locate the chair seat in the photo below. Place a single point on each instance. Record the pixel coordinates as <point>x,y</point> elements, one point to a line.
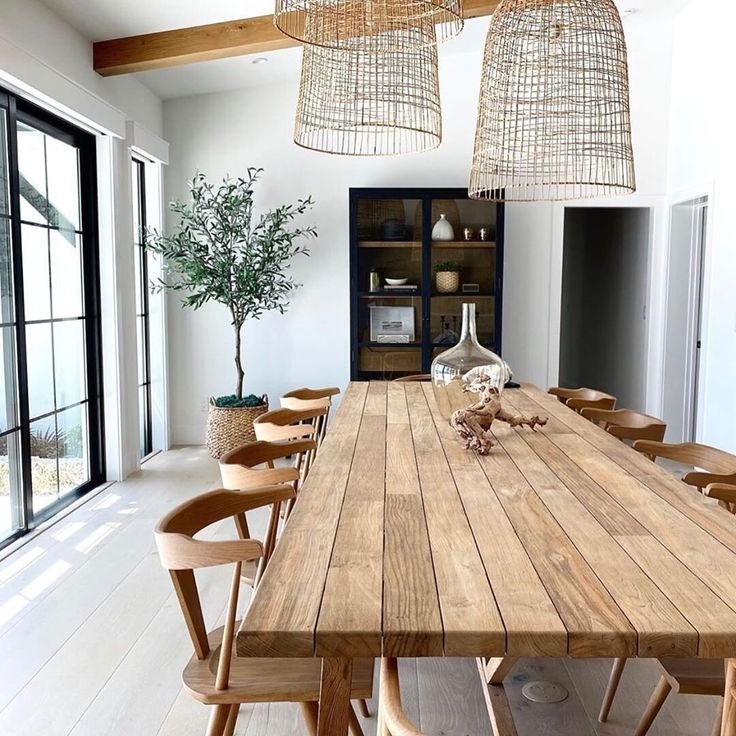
<point>695,676</point>
<point>266,679</point>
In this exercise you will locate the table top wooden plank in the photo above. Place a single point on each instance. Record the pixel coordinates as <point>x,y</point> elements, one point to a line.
<point>283,615</point>
<point>355,573</point>
<point>529,615</point>
<point>662,630</point>
<point>470,616</point>
<point>412,624</point>
<point>560,541</point>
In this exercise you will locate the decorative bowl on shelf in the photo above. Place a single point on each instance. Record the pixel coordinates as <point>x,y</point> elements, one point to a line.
<point>396,282</point>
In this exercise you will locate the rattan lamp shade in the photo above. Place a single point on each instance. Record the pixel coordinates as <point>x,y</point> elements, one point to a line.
<point>366,103</point>
<point>553,118</point>
<point>374,25</point>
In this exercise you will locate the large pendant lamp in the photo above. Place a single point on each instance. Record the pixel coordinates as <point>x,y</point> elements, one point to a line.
<point>369,103</point>
<point>376,25</point>
<point>553,118</point>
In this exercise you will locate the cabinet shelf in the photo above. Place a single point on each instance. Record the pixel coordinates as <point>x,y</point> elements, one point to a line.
<point>390,294</point>
<point>391,345</point>
<point>488,244</point>
<point>390,244</point>
<point>463,295</point>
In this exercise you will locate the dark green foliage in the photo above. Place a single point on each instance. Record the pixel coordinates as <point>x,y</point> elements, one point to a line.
<point>221,252</point>
<point>232,401</point>
<point>447,266</point>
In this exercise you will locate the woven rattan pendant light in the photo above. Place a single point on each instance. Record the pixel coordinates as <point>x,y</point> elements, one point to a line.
<point>553,118</point>
<point>369,103</point>
<point>375,25</point>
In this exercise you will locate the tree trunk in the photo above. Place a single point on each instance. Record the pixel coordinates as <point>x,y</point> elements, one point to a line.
<point>238,364</point>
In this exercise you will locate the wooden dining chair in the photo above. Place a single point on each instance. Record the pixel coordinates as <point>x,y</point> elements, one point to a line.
<point>302,399</point>
<point>287,425</point>
<point>392,720</point>
<point>252,466</point>
<point>215,676</point>
<point>581,398</point>
<point>724,494</point>
<point>416,377</point>
<point>627,424</point>
<point>710,464</point>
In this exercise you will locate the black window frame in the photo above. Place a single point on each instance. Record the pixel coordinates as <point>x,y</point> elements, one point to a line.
<point>142,303</point>
<point>17,110</point>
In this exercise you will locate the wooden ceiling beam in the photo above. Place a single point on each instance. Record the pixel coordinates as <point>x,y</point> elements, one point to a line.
<point>205,43</point>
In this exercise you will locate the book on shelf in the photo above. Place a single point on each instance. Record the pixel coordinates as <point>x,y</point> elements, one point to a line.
<point>405,287</point>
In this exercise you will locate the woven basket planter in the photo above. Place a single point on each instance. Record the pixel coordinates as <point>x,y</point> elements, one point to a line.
<point>448,282</point>
<point>230,427</point>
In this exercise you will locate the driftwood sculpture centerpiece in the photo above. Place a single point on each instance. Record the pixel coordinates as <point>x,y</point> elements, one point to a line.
<point>474,423</point>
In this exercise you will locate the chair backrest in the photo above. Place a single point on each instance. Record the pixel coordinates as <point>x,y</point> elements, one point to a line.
<point>309,398</point>
<point>391,714</point>
<point>580,398</point>
<point>627,424</point>
<point>416,377</point>
<point>288,424</point>
<point>714,465</point>
<point>182,554</point>
<point>251,465</point>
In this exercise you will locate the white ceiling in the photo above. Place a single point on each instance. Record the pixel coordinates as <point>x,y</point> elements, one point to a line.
<point>103,19</point>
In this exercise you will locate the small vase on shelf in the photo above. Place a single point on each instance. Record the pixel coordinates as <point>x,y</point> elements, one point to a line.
<point>443,229</point>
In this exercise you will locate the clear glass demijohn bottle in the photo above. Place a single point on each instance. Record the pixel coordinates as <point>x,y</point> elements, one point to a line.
<point>469,360</point>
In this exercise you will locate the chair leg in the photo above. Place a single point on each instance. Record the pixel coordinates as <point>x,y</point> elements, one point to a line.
<point>310,712</point>
<point>218,720</point>
<point>613,681</point>
<point>656,702</point>
<point>355,728</point>
<point>364,708</point>
<point>232,720</point>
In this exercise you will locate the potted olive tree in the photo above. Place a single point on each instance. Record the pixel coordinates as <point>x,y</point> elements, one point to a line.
<point>220,251</point>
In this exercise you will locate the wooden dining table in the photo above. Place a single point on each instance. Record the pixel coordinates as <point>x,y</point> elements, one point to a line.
<point>562,542</point>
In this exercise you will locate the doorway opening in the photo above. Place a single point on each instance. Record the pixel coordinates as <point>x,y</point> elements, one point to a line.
<point>605,284</point>
<point>684,317</point>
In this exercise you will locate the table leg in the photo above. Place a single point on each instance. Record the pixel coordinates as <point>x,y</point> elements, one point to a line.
<point>499,710</point>
<point>497,668</point>
<point>728,727</point>
<point>334,697</point>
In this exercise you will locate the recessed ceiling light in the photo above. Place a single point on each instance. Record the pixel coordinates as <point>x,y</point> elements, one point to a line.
<point>259,60</point>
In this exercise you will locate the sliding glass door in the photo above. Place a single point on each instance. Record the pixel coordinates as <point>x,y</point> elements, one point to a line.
<point>51,440</point>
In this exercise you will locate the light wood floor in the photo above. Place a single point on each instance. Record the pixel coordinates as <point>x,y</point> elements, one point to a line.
<point>92,642</point>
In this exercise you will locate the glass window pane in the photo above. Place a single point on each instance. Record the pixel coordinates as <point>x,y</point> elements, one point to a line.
<point>7,306</point>
<point>138,281</point>
<point>69,363</point>
<point>40,369</point>
<point>10,485</point>
<point>73,448</point>
<point>8,382</point>
<point>44,465</point>
<point>32,171</point>
<point>36,296</point>
<point>66,274</point>
<point>62,170</point>
<point>136,202</point>
<point>4,178</point>
<point>143,410</point>
<point>141,342</point>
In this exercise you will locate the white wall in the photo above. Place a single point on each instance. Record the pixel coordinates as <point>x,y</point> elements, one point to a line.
<point>225,133</point>
<point>701,162</point>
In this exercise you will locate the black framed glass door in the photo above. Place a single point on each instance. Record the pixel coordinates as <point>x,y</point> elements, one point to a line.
<point>145,418</point>
<point>51,414</point>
